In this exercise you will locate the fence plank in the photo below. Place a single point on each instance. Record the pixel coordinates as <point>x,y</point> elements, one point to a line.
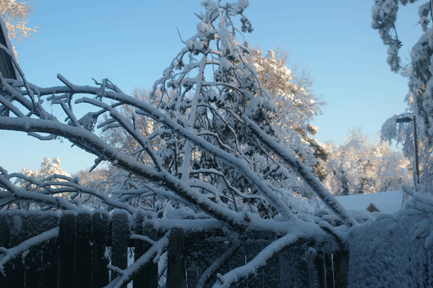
<point>4,231</point>
<point>341,260</point>
<point>33,224</point>
<point>33,256</point>
<point>148,276</point>
<point>49,259</point>
<point>67,259</point>
<point>83,268</point>
<point>120,237</point>
<point>176,265</point>
<point>100,233</point>
<point>15,226</point>
<point>319,262</point>
<point>50,264</point>
<point>33,266</point>
<point>329,270</point>
<point>4,242</point>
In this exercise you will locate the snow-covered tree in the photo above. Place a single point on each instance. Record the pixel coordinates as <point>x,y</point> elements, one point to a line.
<point>88,178</point>
<point>48,168</point>
<point>359,167</point>
<point>419,72</point>
<point>30,180</point>
<point>14,14</point>
<point>218,155</point>
<point>297,104</point>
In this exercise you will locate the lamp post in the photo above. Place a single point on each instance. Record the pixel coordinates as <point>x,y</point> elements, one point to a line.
<point>407,119</point>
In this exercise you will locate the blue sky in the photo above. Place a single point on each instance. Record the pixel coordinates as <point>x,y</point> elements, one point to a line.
<point>131,42</point>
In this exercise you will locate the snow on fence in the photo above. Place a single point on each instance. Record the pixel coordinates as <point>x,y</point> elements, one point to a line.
<point>48,249</point>
<point>392,251</point>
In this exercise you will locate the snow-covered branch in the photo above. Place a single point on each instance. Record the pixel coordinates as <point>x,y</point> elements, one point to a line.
<point>16,251</point>
<point>128,274</point>
<point>259,261</point>
<point>213,268</point>
<point>304,172</point>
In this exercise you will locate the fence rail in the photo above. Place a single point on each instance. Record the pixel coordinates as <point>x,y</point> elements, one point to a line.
<point>77,257</point>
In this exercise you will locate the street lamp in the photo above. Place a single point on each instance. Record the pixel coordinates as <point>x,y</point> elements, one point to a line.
<point>407,119</point>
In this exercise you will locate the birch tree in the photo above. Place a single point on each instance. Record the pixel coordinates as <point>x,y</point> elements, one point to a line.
<point>217,155</point>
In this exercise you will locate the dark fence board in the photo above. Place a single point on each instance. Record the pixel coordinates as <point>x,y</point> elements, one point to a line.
<point>329,270</point>
<point>67,252</point>
<point>100,235</point>
<point>120,237</point>
<point>199,254</point>
<point>148,276</point>
<point>4,242</point>
<point>176,265</point>
<point>15,226</point>
<point>83,267</point>
<point>33,266</point>
<point>293,268</point>
<point>48,277</point>
<point>341,260</point>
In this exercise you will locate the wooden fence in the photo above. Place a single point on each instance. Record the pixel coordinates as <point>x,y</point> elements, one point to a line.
<point>78,256</point>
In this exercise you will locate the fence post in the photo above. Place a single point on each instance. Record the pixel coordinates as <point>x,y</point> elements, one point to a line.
<point>67,251</point>
<point>83,269</point>
<point>319,261</point>
<point>341,260</point>
<point>148,276</point>
<point>17,277</point>
<point>176,265</point>
<point>328,270</point>
<point>100,228</point>
<point>32,269</point>
<point>4,231</point>
<point>119,238</point>
<point>48,277</point>
<point>4,242</point>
